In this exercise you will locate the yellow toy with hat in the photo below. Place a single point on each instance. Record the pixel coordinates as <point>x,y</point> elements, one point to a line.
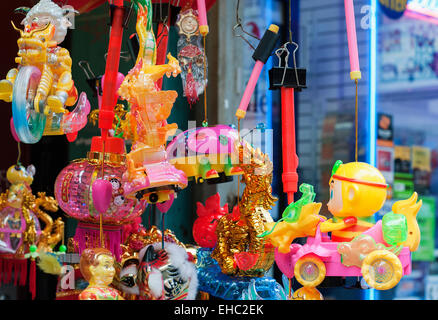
<point>357,191</point>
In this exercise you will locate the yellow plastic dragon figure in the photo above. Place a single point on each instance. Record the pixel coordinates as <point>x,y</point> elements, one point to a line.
<point>146,123</point>
<point>45,27</point>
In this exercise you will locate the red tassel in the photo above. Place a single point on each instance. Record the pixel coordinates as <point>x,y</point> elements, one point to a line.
<point>1,270</point>
<point>32,278</point>
<point>16,265</point>
<point>8,270</point>
<point>23,273</point>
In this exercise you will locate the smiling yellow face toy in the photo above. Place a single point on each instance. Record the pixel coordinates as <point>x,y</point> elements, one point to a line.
<point>357,191</point>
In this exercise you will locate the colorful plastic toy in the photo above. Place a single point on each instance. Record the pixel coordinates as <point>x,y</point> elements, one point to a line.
<point>97,267</point>
<point>153,268</point>
<point>357,191</point>
<point>368,255</point>
<point>73,190</point>
<point>212,281</point>
<point>355,73</point>
<point>261,56</point>
<point>21,235</point>
<point>20,211</point>
<point>206,153</point>
<point>149,175</point>
<point>239,252</point>
<point>42,85</point>
<point>380,252</point>
<point>204,228</point>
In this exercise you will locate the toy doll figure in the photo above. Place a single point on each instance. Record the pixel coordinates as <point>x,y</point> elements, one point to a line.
<point>97,267</point>
<point>20,179</point>
<point>41,86</point>
<point>20,212</point>
<point>45,22</point>
<point>149,174</point>
<point>357,192</point>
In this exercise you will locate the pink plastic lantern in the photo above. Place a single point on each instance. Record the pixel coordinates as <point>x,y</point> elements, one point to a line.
<point>74,193</point>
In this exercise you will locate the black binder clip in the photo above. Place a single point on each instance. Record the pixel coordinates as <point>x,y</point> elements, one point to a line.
<point>285,76</point>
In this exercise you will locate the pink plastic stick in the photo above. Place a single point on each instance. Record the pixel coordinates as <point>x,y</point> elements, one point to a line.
<point>250,86</point>
<point>202,12</point>
<point>351,34</point>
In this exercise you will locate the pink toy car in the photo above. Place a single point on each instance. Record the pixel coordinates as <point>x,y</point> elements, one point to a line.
<point>367,255</point>
<point>206,153</point>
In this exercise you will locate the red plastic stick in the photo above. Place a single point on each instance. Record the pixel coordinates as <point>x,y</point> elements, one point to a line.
<point>109,96</point>
<point>290,158</point>
<point>162,41</point>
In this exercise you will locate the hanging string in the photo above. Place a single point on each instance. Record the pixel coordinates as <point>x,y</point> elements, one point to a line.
<point>356,120</point>
<point>238,161</point>
<point>162,231</point>
<point>19,153</point>
<point>296,47</point>
<point>290,21</point>
<point>205,123</point>
<point>149,216</point>
<point>102,242</point>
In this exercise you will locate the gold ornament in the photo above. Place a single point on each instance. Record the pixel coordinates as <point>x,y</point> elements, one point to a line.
<point>237,233</point>
<point>20,200</point>
<point>188,24</point>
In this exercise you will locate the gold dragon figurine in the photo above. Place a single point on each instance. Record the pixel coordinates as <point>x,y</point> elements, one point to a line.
<point>19,197</point>
<point>237,232</point>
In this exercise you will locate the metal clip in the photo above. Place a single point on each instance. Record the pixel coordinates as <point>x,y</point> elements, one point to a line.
<point>280,51</point>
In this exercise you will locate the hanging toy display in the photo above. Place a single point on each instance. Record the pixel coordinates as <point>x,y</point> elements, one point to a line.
<point>21,234</point>
<point>156,267</point>
<point>239,254</point>
<point>97,267</point>
<point>91,190</point>
<point>149,175</point>
<point>239,251</point>
<point>73,190</point>
<point>191,55</point>
<point>379,252</point>
<point>206,154</point>
<point>41,86</point>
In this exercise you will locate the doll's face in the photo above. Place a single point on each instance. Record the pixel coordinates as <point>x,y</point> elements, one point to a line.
<point>104,272</point>
<point>19,174</point>
<point>119,200</point>
<point>335,203</point>
<point>115,184</point>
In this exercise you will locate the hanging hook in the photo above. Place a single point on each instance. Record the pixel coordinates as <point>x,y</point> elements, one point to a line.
<point>239,25</point>
<point>124,55</point>
<point>87,69</point>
